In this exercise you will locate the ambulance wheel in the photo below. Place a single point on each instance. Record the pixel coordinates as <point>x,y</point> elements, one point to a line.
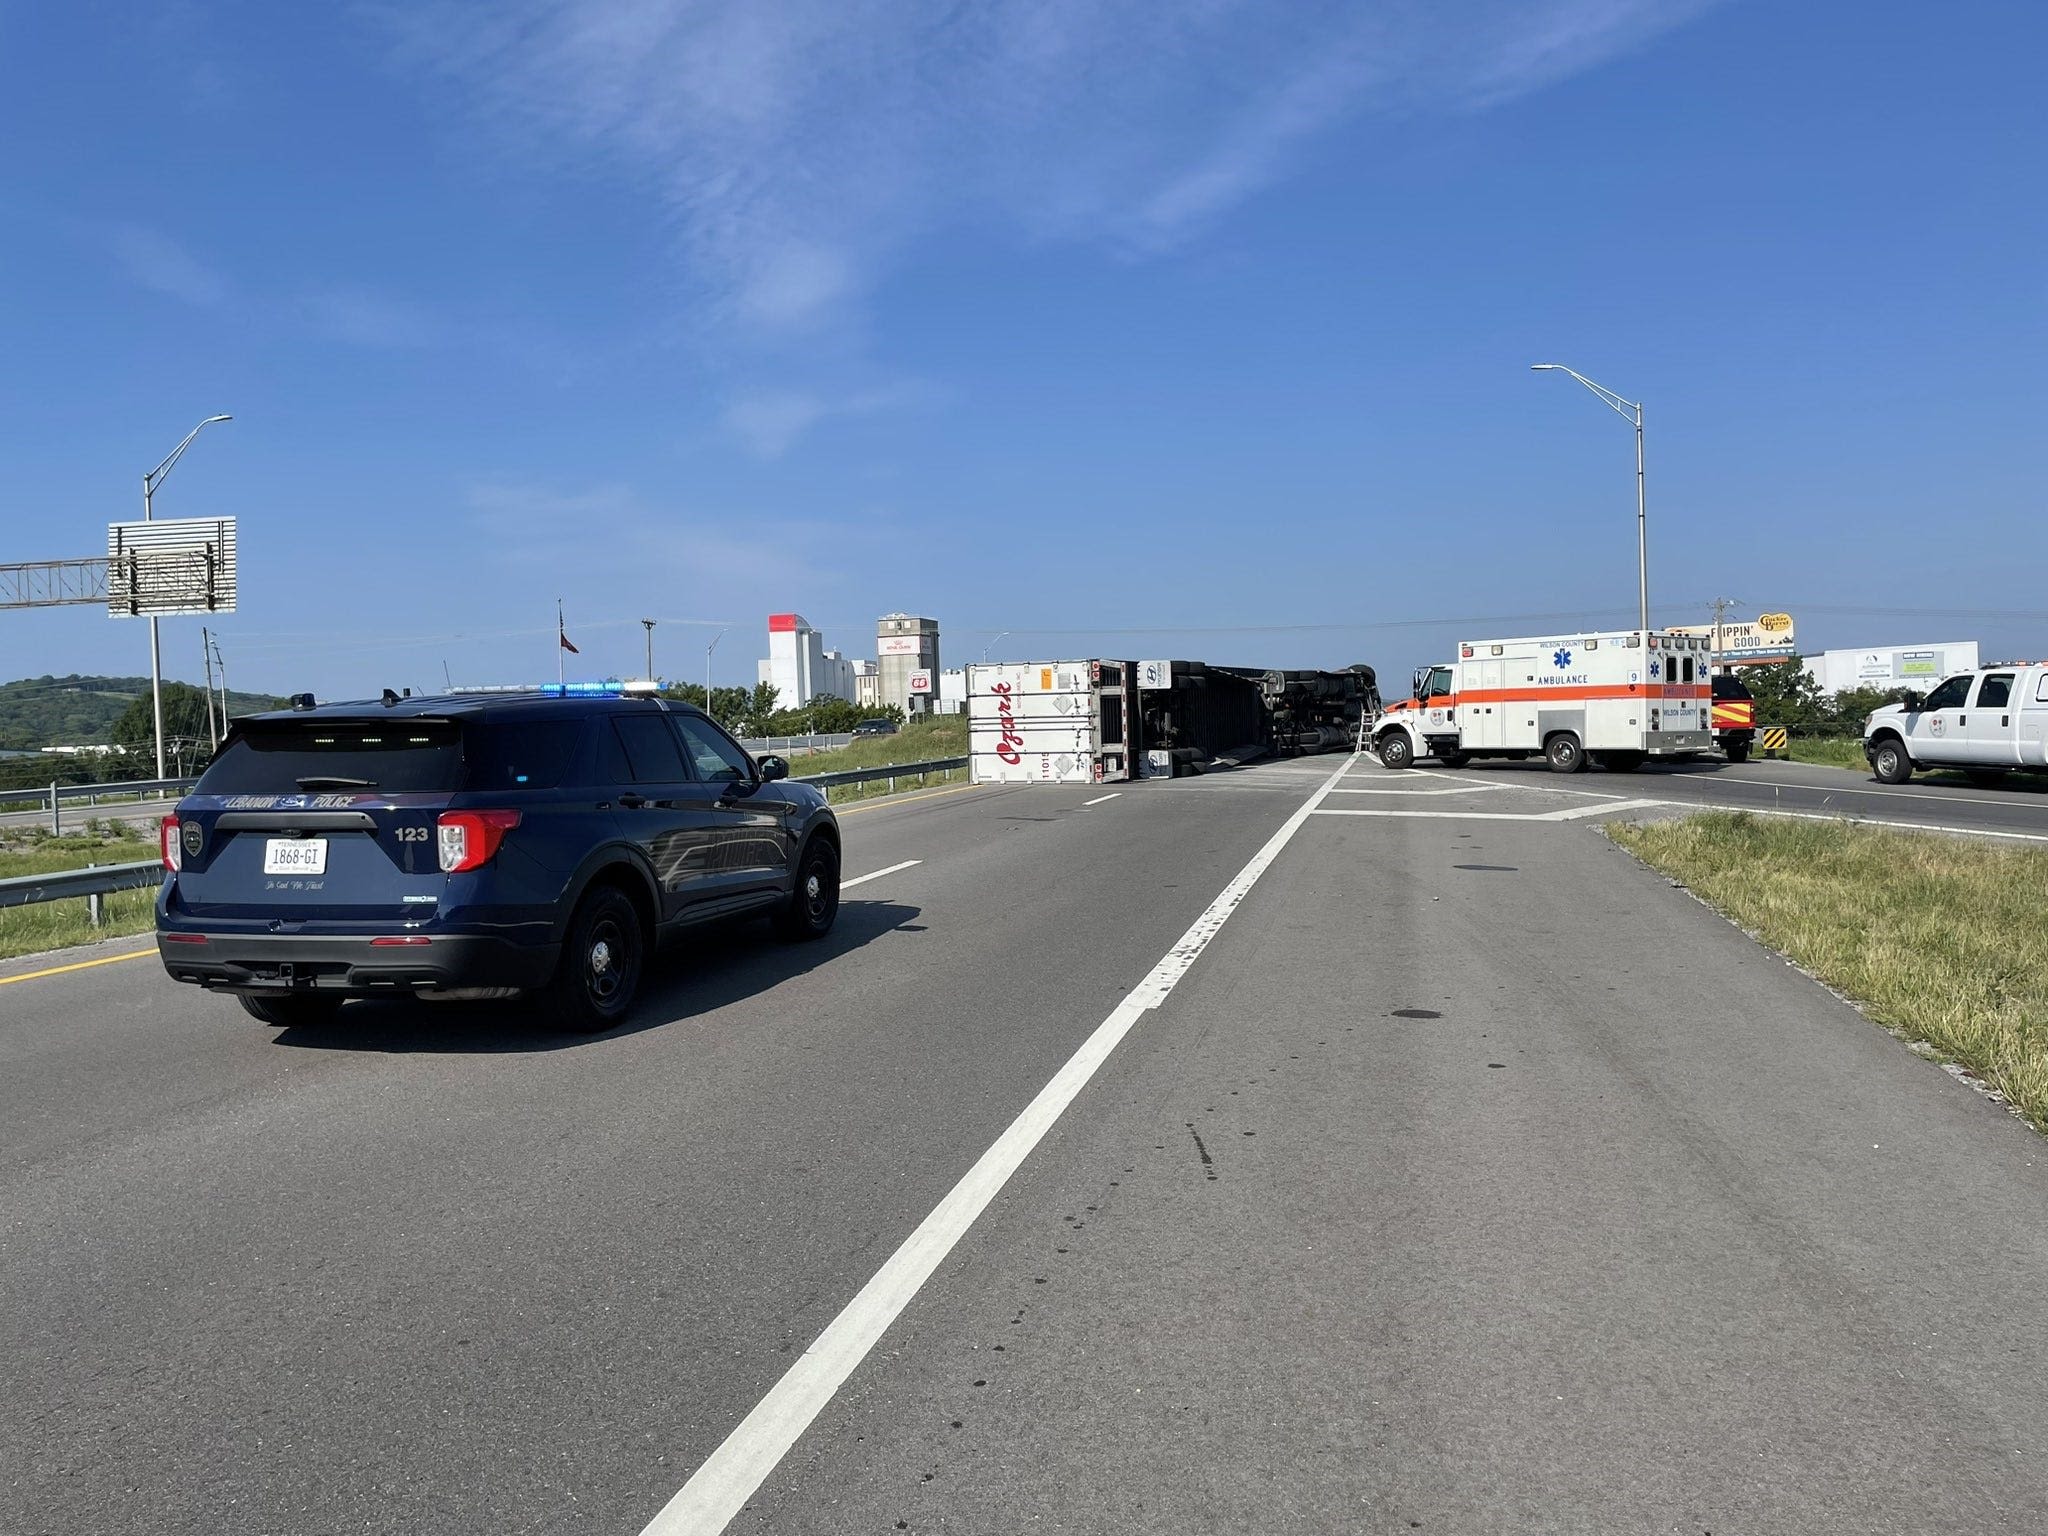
<point>1455,759</point>
<point>1738,751</point>
<point>1564,753</point>
<point>1395,750</point>
<point>1888,760</point>
<point>1622,762</point>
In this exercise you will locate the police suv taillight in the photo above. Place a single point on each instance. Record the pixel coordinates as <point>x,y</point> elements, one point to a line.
<point>167,844</point>
<point>468,839</point>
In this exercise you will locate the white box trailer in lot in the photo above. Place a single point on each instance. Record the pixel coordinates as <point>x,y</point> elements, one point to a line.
<point>1052,722</point>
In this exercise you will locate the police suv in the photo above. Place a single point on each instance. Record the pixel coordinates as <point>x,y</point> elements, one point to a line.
<point>1986,723</point>
<point>479,845</point>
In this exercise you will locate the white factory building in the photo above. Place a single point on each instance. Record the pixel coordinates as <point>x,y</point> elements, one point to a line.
<point>1893,666</point>
<point>799,666</point>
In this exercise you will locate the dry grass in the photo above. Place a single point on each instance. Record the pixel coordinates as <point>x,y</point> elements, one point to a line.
<point>944,736</point>
<point>61,924</point>
<point>1941,939</point>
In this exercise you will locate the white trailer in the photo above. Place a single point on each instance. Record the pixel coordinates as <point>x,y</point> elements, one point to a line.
<point>1052,722</point>
<point>1616,699</point>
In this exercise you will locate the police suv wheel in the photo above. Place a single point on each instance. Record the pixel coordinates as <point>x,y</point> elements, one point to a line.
<point>1888,760</point>
<point>598,974</point>
<point>813,904</point>
<point>1395,750</point>
<point>1564,754</point>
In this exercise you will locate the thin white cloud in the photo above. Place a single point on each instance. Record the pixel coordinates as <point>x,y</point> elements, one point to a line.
<point>160,264</point>
<point>363,318</point>
<point>768,422</point>
<point>797,146</point>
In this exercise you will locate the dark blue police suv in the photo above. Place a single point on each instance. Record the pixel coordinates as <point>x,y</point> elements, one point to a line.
<point>479,845</point>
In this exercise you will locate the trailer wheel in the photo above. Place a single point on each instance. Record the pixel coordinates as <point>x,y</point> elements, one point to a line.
<point>1395,750</point>
<point>1564,753</point>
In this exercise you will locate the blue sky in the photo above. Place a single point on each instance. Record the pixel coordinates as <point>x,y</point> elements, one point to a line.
<point>1198,330</point>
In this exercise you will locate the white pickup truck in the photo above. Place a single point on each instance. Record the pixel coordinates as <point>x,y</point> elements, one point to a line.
<point>1986,723</point>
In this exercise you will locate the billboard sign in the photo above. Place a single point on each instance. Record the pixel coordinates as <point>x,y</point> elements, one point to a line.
<point>1155,674</point>
<point>169,566</point>
<point>899,645</point>
<point>1768,637</point>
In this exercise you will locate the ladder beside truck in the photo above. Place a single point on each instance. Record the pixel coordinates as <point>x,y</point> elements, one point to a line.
<point>1616,699</point>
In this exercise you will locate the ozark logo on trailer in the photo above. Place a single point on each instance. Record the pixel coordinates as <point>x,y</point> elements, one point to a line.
<point>1008,741</point>
<point>1562,659</point>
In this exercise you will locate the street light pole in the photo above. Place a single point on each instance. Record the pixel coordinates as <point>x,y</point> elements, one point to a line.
<point>992,645</point>
<point>150,482</point>
<point>1633,410</point>
<point>649,625</point>
<point>707,670</point>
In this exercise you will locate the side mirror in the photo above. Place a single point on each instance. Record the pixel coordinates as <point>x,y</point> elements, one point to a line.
<point>773,768</point>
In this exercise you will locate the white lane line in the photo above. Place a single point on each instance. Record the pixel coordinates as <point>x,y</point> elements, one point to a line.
<point>2007,803</point>
<point>1100,798</point>
<point>720,1488</point>
<point>1467,789</point>
<point>1869,821</point>
<point>1442,815</point>
<point>1574,812</point>
<point>847,885</point>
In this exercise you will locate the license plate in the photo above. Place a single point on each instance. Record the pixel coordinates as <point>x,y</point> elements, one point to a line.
<point>295,856</point>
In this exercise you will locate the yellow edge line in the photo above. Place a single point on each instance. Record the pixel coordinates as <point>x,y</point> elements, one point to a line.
<point>889,800</point>
<point>82,965</point>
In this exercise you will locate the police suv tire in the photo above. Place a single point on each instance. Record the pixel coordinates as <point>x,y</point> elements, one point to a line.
<point>598,973</point>
<point>813,904</point>
<point>1738,751</point>
<point>1564,753</point>
<point>1889,762</point>
<point>1455,759</point>
<point>1395,750</point>
<point>292,1011</point>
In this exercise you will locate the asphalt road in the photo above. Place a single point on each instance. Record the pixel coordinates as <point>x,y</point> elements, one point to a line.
<point>1465,1177</point>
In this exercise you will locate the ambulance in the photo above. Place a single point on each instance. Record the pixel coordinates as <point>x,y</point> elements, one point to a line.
<point>1613,699</point>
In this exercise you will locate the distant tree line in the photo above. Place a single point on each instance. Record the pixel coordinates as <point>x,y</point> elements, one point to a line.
<point>1787,694</point>
<point>753,712</point>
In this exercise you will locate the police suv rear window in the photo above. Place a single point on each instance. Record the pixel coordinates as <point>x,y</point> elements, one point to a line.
<point>281,757</point>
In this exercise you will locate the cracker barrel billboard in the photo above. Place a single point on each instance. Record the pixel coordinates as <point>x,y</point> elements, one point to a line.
<point>1767,637</point>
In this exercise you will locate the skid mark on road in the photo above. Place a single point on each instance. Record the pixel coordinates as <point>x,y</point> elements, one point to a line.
<point>721,1487</point>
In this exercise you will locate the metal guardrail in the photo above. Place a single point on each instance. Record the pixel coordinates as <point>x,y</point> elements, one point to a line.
<point>892,772</point>
<point>53,799</point>
<point>27,890</point>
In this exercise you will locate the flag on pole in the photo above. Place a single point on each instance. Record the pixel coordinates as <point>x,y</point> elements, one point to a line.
<point>561,633</point>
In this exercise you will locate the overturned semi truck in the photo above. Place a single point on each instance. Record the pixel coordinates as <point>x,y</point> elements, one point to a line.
<point>1101,721</point>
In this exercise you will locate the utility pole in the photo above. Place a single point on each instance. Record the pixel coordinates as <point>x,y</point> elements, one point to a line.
<point>206,656</point>
<point>648,625</point>
<point>220,665</point>
<point>1721,607</point>
<point>150,482</point>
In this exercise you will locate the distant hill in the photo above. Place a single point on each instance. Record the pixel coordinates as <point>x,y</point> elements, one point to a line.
<point>78,711</point>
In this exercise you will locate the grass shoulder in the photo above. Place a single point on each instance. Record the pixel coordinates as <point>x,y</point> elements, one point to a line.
<point>942,736</point>
<point>1939,939</point>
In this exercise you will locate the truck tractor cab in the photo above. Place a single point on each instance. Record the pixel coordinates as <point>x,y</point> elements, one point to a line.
<point>1425,724</point>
